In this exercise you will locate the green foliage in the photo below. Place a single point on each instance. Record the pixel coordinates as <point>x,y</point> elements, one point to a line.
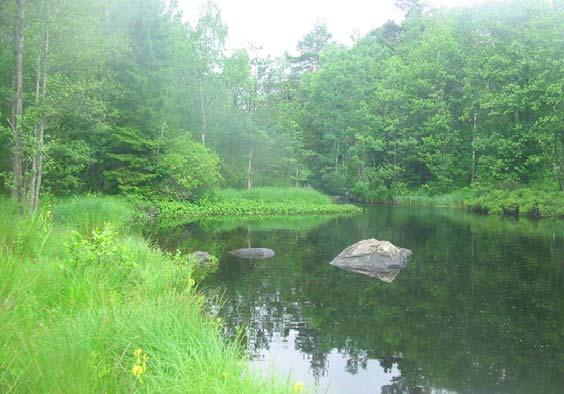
<point>23,235</point>
<point>174,213</point>
<point>187,170</point>
<point>74,317</point>
<point>449,99</point>
<point>88,213</point>
<point>275,195</point>
<point>519,202</point>
<point>526,202</point>
<point>259,202</point>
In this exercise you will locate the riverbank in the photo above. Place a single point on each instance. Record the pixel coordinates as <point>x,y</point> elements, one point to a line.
<point>264,201</point>
<point>520,202</point>
<point>88,305</point>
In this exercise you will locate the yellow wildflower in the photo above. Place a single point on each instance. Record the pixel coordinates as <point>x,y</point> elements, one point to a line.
<point>191,282</point>
<point>138,371</point>
<point>141,363</point>
<point>298,387</point>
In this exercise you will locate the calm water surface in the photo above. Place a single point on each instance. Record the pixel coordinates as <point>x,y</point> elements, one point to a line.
<point>479,309</point>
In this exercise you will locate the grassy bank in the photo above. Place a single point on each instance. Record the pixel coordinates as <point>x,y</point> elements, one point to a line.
<point>87,305</point>
<point>267,201</point>
<point>520,202</point>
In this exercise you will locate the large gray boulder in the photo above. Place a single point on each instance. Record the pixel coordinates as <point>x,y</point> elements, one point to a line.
<point>253,253</point>
<point>378,259</point>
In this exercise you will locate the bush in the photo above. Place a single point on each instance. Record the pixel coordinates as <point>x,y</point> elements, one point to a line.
<point>187,169</point>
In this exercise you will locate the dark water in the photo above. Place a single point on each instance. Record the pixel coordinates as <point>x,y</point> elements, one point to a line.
<point>479,309</point>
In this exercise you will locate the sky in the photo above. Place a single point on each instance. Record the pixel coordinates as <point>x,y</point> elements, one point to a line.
<point>278,25</point>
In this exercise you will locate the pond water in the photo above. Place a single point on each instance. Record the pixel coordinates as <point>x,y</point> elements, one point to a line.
<point>479,309</point>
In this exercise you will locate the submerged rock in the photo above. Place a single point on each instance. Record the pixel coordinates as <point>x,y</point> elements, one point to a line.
<point>378,259</point>
<point>203,257</point>
<point>253,253</point>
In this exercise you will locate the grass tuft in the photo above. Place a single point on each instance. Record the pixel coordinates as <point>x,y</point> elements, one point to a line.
<point>84,214</point>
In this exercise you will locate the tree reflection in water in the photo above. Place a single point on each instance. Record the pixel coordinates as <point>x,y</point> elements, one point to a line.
<point>479,309</point>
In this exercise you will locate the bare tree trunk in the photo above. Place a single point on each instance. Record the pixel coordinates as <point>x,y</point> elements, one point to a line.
<point>161,138</point>
<point>41,93</point>
<point>204,117</point>
<point>558,159</point>
<point>250,170</point>
<point>17,112</point>
<point>297,176</point>
<point>33,179</point>
<point>473,176</point>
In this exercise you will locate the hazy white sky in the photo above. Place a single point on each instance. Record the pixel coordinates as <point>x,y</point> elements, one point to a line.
<point>277,25</point>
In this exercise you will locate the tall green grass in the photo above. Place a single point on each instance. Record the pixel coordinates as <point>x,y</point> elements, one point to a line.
<point>452,200</point>
<point>73,311</point>
<point>86,213</point>
<point>518,202</point>
<point>275,194</point>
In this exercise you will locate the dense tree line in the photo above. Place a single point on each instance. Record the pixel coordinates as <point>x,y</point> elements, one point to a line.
<point>448,99</point>
<point>129,96</point>
<point>126,96</point>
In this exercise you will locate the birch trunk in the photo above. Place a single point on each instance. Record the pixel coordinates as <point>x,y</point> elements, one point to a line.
<point>41,93</point>
<point>18,192</point>
<point>473,175</point>
<point>204,117</point>
<point>250,169</point>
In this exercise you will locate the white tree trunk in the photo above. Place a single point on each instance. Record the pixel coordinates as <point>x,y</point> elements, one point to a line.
<point>250,169</point>
<point>18,192</point>
<point>41,93</point>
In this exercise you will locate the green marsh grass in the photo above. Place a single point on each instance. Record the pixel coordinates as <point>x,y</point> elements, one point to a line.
<point>74,311</point>
<point>84,214</point>
<point>518,202</point>
<point>276,195</point>
<point>258,202</point>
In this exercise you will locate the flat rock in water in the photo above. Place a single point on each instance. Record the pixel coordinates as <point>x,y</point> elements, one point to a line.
<point>253,253</point>
<point>378,259</point>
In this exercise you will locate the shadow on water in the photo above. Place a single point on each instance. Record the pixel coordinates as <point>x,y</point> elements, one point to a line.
<point>479,309</point>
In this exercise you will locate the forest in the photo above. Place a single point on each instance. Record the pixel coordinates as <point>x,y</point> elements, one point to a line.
<point>131,136</point>
<point>128,97</point>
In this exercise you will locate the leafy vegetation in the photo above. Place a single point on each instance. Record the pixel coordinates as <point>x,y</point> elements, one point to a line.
<point>154,105</point>
<point>458,107</point>
<point>82,304</point>
<point>524,202</point>
<point>449,99</point>
<point>276,195</point>
<point>230,203</point>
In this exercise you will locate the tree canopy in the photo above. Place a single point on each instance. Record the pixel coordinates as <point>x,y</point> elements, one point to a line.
<point>130,97</point>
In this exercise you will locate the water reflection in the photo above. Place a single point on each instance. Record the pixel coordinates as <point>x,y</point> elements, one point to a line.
<point>479,309</point>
